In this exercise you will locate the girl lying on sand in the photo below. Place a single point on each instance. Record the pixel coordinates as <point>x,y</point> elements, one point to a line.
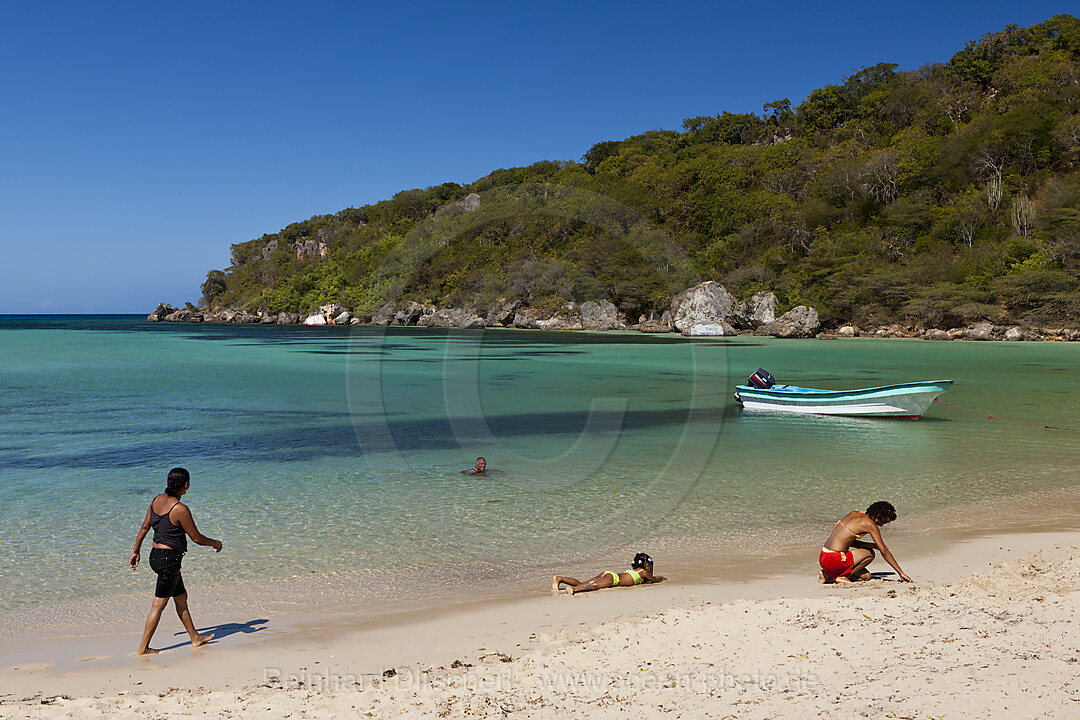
<point>640,572</point>
<point>845,556</point>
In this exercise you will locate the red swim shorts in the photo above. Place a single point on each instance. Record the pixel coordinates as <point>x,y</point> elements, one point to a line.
<point>836,563</point>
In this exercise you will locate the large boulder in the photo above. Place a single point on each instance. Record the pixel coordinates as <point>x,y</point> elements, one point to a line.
<point>384,315</point>
<point>706,303</point>
<point>452,318</point>
<point>184,315</point>
<point>332,310</point>
<point>1015,334</point>
<point>343,318</point>
<point>936,334</point>
<point>315,319</point>
<point>287,318</point>
<point>502,314</point>
<point>471,321</point>
<point>847,331</point>
<point>758,310</point>
<point>567,318</point>
<point>600,316</point>
<point>526,317</point>
<point>979,331</point>
<point>409,315</point>
<point>268,319</point>
<point>246,317</point>
<point>798,322</point>
<point>651,326</point>
<point>161,312</point>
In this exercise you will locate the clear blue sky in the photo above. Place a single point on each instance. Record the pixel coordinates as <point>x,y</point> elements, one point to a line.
<point>139,141</point>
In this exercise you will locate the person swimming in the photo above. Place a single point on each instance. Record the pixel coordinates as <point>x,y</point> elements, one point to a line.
<point>845,556</point>
<point>641,571</point>
<point>480,468</point>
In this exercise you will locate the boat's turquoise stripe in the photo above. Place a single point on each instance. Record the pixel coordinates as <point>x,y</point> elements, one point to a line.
<point>811,395</point>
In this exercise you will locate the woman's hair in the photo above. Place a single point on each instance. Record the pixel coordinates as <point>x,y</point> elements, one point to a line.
<point>881,512</point>
<point>641,560</point>
<point>178,478</point>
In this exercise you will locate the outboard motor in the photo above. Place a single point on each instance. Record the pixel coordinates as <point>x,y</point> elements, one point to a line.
<point>761,379</point>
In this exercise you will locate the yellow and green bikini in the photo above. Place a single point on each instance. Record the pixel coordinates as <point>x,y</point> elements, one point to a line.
<point>636,574</point>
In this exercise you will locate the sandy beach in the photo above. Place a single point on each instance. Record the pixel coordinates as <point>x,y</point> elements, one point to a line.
<point>989,629</point>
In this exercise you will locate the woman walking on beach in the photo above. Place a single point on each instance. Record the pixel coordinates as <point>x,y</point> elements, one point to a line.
<point>845,556</point>
<point>640,572</point>
<point>172,524</point>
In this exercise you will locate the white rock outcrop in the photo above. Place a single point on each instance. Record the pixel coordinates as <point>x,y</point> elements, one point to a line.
<point>707,303</point>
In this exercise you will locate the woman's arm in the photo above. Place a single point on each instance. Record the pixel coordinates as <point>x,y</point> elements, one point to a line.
<point>885,553</point>
<point>134,561</point>
<point>188,523</point>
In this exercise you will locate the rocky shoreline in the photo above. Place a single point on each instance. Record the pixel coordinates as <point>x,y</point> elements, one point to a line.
<point>705,310</point>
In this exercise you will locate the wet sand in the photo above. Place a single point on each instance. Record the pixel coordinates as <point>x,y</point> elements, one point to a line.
<point>989,624</point>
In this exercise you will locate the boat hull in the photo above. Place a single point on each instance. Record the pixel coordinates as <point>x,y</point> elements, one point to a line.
<point>909,400</point>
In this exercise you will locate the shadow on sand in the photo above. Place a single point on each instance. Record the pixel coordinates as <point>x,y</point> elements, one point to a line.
<point>223,631</point>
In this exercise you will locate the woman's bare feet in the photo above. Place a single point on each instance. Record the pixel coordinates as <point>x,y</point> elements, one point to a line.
<point>823,578</point>
<point>147,651</point>
<point>570,590</point>
<point>555,584</point>
<point>202,640</point>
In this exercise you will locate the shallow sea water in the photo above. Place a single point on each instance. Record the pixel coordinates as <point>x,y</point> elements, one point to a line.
<point>330,452</point>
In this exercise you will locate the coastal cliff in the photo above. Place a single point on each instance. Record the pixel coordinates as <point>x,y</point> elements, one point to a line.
<point>934,200</point>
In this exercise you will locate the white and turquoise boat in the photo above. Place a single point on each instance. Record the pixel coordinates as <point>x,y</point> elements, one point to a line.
<point>908,400</point>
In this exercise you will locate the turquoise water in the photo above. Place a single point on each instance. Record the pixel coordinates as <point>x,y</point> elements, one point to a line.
<point>319,452</point>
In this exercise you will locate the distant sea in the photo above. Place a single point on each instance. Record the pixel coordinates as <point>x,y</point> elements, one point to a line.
<point>322,453</point>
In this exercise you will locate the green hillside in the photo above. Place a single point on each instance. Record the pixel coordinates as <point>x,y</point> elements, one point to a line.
<point>939,196</point>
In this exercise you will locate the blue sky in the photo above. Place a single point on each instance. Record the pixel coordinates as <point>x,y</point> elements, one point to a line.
<point>140,140</point>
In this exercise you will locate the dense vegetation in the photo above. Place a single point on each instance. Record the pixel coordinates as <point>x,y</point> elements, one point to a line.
<point>938,196</point>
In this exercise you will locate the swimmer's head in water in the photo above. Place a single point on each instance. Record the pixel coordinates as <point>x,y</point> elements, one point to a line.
<point>481,463</point>
<point>641,560</point>
<point>881,512</point>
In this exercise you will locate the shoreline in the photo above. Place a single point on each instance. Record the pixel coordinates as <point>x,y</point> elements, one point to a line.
<point>55,636</point>
<point>1015,332</point>
<point>507,644</point>
<point>704,310</point>
<point>88,658</point>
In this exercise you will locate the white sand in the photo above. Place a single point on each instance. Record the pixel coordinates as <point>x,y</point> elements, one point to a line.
<point>1001,642</point>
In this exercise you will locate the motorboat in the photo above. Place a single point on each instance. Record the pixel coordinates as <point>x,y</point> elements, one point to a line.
<point>906,400</point>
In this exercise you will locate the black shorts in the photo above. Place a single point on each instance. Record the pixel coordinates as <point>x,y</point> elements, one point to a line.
<point>166,563</point>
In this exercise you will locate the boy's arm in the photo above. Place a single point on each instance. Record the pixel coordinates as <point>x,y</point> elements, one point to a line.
<point>887,554</point>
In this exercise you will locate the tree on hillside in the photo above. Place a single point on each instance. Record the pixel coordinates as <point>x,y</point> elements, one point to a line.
<point>215,285</point>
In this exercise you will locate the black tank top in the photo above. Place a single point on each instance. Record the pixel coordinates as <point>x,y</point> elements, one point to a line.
<point>165,533</point>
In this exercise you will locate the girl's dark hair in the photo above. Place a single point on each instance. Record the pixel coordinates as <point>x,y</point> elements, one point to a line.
<point>178,478</point>
<point>881,512</point>
<point>641,560</point>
